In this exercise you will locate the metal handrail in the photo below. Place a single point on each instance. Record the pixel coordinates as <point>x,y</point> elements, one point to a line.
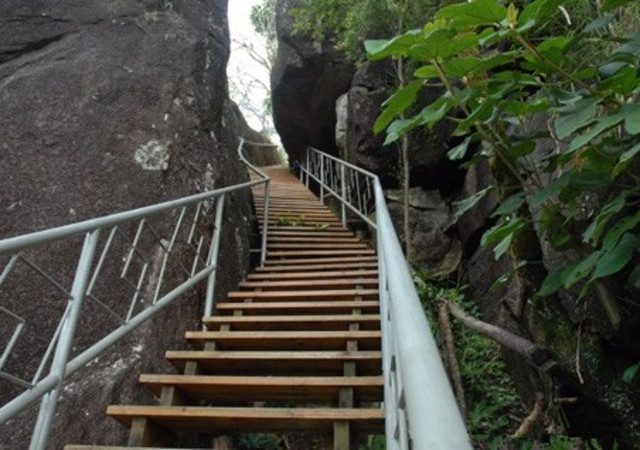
<point>146,300</point>
<point>420,407</point>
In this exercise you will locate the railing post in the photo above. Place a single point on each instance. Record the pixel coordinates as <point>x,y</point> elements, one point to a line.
<point>65,341</point>
<point>343,192</point>
<point>213,257</point>
<point>265,222</point>
<point>308,167</point>
<point>321,179</point>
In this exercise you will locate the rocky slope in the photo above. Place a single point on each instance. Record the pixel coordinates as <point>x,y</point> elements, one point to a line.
<point>108,106</point>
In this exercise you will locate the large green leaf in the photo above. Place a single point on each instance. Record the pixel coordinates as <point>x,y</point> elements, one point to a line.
<point>398,46</point>
<point>625,160</point>
<point>631,117</point>
<point>580,270</point>
<point>597,226</point>
<point>575,115</point>
<point>510,205</point>
<point>459,150</point>
<point>612,238</point>
<point>466,204</point>
<point>502,235</point>
<point>538,11</point>
<point>442,43</point>
<point>551,283</point>
<point>603,124</point>
<point>473,14</point>
<point>397,104</point>
<point>614,260</point>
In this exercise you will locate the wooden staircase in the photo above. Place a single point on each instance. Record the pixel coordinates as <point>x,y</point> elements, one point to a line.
<point>296,349</point>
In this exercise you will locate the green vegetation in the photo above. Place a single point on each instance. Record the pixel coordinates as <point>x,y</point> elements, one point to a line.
<point>500,68</point>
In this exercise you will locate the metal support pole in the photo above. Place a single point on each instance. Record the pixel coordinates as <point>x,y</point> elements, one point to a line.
<point>213,257</point>
<point>321,180</point>
<point>265,222</point>
<point>343,194</point>
<point>65,341</point>
<point>308,168</point>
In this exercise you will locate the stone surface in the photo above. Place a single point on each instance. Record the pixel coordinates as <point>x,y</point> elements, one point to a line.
<point>436,249</point>
<point>372,84</point>
<point>108,106</point>
<point>306,81</point>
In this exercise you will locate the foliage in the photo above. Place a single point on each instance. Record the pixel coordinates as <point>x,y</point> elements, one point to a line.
<point>491,398</point>
<point>348,22</point>
<point>257,441</point>
<point>263,19</point>
<point>502,66</point>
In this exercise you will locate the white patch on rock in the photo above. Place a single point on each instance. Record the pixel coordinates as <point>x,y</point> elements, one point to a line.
<point>153,155</point>
<point>209,180</point>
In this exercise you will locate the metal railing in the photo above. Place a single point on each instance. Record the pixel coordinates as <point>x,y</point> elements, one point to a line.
<point>420,408</point>
<point>155,254</point>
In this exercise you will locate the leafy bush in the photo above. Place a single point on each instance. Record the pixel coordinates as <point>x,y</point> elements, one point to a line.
<point>501,67</point>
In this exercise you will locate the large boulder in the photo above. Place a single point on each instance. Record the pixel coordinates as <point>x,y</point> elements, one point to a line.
<point>430,168</point>
<point>306,81</point>
<point>107,106</point>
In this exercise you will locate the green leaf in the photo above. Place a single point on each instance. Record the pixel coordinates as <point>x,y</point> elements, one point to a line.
<point>473,14</point>
<point>441,44</point>
<point>599,23</point>
<point>597,226</point>
<point>551,283</point>
<point>608,5</point>
<point>510,205</point>
<point>631,372</point>
<point>466,204</point>
<point>616,259</point>
<point>426,72</point>
<point>378,49</point>
<point>634,278</point>
<point>625,160</point>
<point>550,190</point>
<point>603,124</point>
<point>579,270</point>
<point>538,11</point>
<point>624,225</point>
<point>459,150</point>
<point>631,117</point>
<point>397,104</point>
<point>575,115</point>
<point>503,235</point>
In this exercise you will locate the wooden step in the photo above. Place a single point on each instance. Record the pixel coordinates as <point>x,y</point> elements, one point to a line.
<point>318,253</point>
<point>306,228</point>
<point>302,246</point>
<point>330,260</point>
<point>242,420</point>
<point>271,268</point>
<point>278,363</point>
<point>310,284</point>
<point>285,340</point>
<point>288,322</point>
<point>299,308</point>
<point>313,275</point>
<point>310,233</point>
<point>309,295</point>
<point>242,389</point>
<point>311,238</point>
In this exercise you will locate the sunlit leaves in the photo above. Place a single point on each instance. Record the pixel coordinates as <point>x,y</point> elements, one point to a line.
<point>575,115</point>
<point>473,14</point>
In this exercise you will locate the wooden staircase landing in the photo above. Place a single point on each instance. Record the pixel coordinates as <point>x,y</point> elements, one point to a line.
<point>295,349</point>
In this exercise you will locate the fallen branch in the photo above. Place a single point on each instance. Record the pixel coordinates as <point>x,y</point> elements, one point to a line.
<point>532,419</point>
<point>449,355</point>
<point>520,345</point>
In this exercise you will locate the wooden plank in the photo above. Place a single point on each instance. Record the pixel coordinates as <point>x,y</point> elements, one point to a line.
<point>300,307</point>
<point>286,340</point>
<point>278,363</point>
<point>289,322</point>
<point>295,269</point>
<point>310,284</point>
<point>233,420</point>
<point>309,295</point>
<point>332,260</point>
<point>236,389</point>
<point>317,246</point>
<point>314,275</point>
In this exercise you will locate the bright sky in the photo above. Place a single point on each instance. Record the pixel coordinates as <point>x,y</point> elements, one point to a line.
<point>242,70</point>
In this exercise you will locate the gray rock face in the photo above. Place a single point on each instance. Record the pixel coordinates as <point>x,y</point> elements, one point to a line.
<point>108,106</point>
<point>435,247</point>
<point>430,167</point>
<point>306,80</point>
